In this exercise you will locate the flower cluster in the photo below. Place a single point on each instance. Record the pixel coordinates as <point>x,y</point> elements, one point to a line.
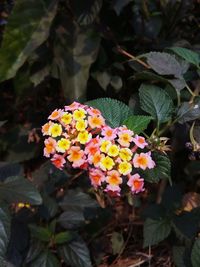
<point>78,135</point>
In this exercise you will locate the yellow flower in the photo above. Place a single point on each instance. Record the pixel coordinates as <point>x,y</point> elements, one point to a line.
<point>81,125</point>
<point>106,163</point>
<point>125,168</point>
<point>55,130</point>
<point>105,145</point>
<point>63,145</point>
<point>113,151</point>
<point>66,118</point>
<point>125,154</point>
<point>84,137</point>
<point>79,114</point>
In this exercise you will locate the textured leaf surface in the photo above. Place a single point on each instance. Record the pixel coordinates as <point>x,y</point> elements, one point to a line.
<point>24,33</point>
<point>156,102</point>
<point>188,112</point>
<point>114,111</point>
<point>195,255</point>
<point>137,123</point>
<point>76,254</point>
<point>117,242</point>
<point>155,231</point>
<point>45,259</point>
<point>187,54</point>
<point>18,189</point>
<point>164,64</point>
<point>71,219</point>
<point>161,170</point>
<point>178,254</point>
<point>4,231</point>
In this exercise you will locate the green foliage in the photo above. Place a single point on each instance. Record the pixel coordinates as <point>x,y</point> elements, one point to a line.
<point>45,259</point>
<point>155,231</point>
<point>117,241</point>
<point>137,123</point>
<point>114,111</point>
<point>156,102</point>
<point>5,222</point>
<point>195,255</point>
<point>178,253</point>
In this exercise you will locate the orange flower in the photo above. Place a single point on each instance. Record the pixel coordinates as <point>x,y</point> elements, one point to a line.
<point>143,161</point>
<point>55,114</point>
<point>58,161</point>
<point>96,121</point>
<point>50,146</point>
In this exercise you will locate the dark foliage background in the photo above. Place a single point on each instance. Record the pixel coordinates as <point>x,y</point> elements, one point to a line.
<point>56,51</point>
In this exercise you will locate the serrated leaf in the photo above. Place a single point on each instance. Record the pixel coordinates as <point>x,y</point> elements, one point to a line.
<point>25,33</point>
<point>161,170</point>
<point>72,219</point>
<point>114,111</point>
<point>117,242</point>
<point>155,231</point>
<point>165,64</point>
<point>188,112</point>
<point>137,123</point>
<point>156,102</point>
<point>45,259</point>
<point>5,222</point>
<point>18,189</point>
<point>40,233</point>
<point>187,54</point>
<point>76,254</point>
<point>195,255</point>
<point>63,237</point>
<point>178,256</point>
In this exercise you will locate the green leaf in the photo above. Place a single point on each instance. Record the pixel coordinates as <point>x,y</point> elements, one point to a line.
<point>187,54</point>
<point>156,102</point>
<point>40,233</point>
<point>25,33</point>
<point>77,199</point>
<point>165,64</point>
<point>137,123</point>
<point>63,237</point>
<point>18,189</point>
<point>86,12</point>
<point>118,5</point>
<point>75,49</point>
<point>195,255</point>
<point>188,112</point>
<point>76,254</point>
<point>71,219</point>
<point>35,249</point>
<point>45,259</point>
<point>114,111</point>
<point>162,169</point>
<point>5,222</point>
<point>178,256</point>
<point>9,169</point>
<point>117,242</point>
<point>155,231</point>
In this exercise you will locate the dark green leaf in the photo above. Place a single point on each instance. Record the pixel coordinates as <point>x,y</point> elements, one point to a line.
<point>9,169</point>
<point>117,241</point>
<point>118,5</point>
<point>187,54</point>
<point>45,259</point>
<point>76,254</point>
<point>40,233</point>
<point>77,199</point>
<point>188,112</point>
<point>165,64</point>
<point>162,169</point>
<point>137,123</point>
<point>25,33</point>
<point>63,237</point>
<point>156,102</point>
<point>195,255</point>
<point>178,256</point>
<point>71,219</point>
<point>5,222</point>
<point>114,111</point>
<point>35,249</point>
<point>155,231</point>
<point>18,189</point>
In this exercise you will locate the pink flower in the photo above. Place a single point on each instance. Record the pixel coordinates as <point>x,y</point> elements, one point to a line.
<point>140,141</point>
<point>93,112</point>
<point>125,138</point>
<point>50,147</point>
<point>97,177</point>
<point>143,161</point>
<point>58,161</point>
<point>109,133</point>
<point>113,190</point>
<point>56,114</point>
<point>76,156</point>
<point>136,183</point>
<point>73,106</point>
